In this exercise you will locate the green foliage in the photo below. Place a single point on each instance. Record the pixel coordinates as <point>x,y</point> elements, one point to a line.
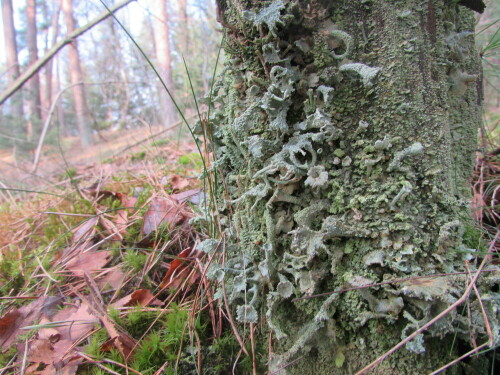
<point>193,160</point>
<point>5,357</point>
<point>160,142</point>
<point>473,238</point>
<point>138,156</point>
<point>95,343</point>
<point>11,278</point>
<point>134,260</point>
<point>70,173</point>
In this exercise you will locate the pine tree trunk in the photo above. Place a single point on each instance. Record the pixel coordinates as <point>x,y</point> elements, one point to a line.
<point>164,60</point>
<point>184,27</point>
<point>76,76</point>
<point>48,92</point>
<point>17,113</point>
<point>35,105</point>
<point>345,137</point>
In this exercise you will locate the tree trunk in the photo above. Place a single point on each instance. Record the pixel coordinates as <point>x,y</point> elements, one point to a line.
<point>184,27</point>
<point>17,115</point>
<point>163,57</point>
<point>345,137</point>
<point>76,76</point>
<point>35,117</point>
<point>47,92</point>
<point>63,128</point>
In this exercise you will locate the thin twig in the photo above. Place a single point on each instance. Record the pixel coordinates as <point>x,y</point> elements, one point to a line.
<point>97,363</point>
<point>483,311</point>
<point>459,359</point>
<point>396,281</point>
<point>25,357</point>
<point>252,342</point>
<point>438,317</point>
<point>286,366</point>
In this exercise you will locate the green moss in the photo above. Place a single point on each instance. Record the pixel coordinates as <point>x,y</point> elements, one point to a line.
<point>138,156</point>
<point>135,260</point>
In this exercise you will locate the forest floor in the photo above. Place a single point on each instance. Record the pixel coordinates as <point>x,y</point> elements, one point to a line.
<point>99,266</point>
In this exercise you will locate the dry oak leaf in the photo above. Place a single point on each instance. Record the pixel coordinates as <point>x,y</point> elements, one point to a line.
<point>83,238</point>
<point>14,320</point>
<point>67,367</point>
<point>112,278</point>
<point>141,297</point>
<point>177,182</point>
<point>164,210</point>
<point>181,268</point>
<point>90,261</point>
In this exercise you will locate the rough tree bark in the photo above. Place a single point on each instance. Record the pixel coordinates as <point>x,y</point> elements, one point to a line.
<point>35,105</point>
<point>13,70</point>
<point>168,112</point>
<point>345,135</point>
<point>184,26</point>
<point>76,76</point>
<point>47,93</point>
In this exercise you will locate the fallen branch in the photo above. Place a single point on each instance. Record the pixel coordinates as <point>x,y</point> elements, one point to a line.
<point>33,69</point>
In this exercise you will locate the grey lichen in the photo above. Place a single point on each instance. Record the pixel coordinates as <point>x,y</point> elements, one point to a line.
<point>366,72</point>
<point>305,154</point>
<point>396,164</point>
<point>269,15</point>
<point>317,177</point>
<point>405,190</point>
<point>383,144</point>
<point>346,39</point>
<point>246,313</point>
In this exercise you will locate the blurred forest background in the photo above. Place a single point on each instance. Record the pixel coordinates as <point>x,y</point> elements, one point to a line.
<point>98,93</point>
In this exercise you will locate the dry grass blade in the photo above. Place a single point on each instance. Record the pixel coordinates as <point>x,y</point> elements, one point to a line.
<point>475,350</point>
<point>118,337</point>
<point>445,312</point>
<point>483,311</point>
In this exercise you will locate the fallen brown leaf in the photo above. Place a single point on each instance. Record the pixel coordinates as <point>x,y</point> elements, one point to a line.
<point>90,261</point>
<point>84,230</point>
<point>78,322</point>
<point>181,268</point>
<point>141,297</point>
<point>66,367</point>
<point>83,238</point>
<point>177,182</point>
<point>111,229</point>
<point>193,195</point>
<point>163,210</point>
<point>112,278</point>
<point>14,320</point>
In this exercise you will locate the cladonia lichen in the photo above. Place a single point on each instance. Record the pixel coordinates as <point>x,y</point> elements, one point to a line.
<point>366,72</point>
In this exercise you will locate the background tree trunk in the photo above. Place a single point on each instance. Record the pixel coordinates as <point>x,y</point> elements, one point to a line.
<point>75,71</point>
<point>35,116</point>
<point>163,57</point>
<point>184,29</point>
<point>346,139</point>
<point>18,128</point>
<point>48,70</point>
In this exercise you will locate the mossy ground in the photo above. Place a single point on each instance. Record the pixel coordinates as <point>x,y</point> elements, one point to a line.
<point>179,337</point>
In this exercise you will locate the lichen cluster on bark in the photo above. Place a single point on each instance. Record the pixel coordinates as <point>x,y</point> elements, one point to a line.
<point>344,135</point>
